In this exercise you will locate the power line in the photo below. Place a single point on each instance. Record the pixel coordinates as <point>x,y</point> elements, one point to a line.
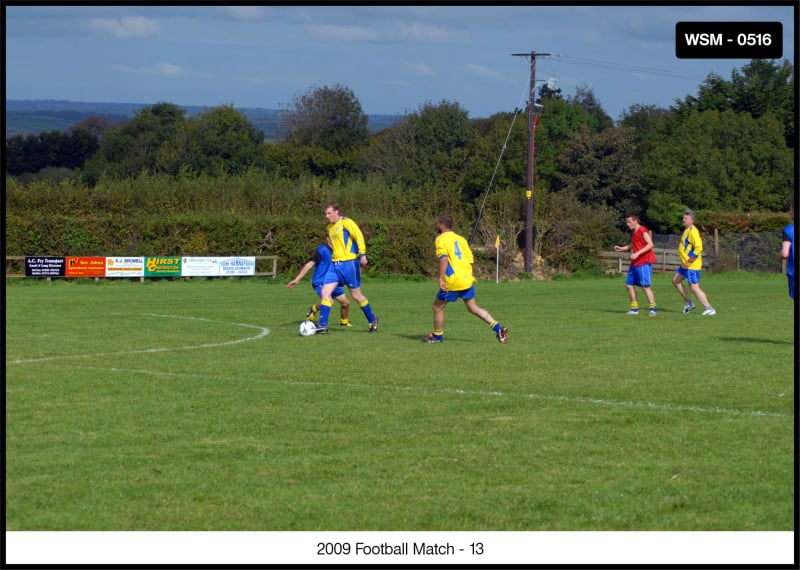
<point>627,67</point>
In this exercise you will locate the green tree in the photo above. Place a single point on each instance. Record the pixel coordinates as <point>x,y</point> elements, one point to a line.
<point>498,154</point>
<point>601,170</point>
<point>761,87</point>
<point>77,146</point>
<point>97,125</point>
<point>51,149</point>
<point>323,134</point>
<point>585,98</point>
<point>133,148</point>
<point>559,119</point>
<point>430,146</point>
<point>648,122</point>
<point>720,161</point>
<point>328,117</point>
<point>24,153</point>
<point>215,142</point>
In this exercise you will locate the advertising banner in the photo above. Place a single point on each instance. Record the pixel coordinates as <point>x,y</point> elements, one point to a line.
<point>86,266</point>
<point>237,266</point>
<point>45,266</point>
<point>155,266</point>
<point>200,267</point>
<point>162,266</point>
<point>124,266</point>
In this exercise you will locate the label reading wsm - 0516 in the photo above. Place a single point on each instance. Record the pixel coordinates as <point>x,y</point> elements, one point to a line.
<point>729,40</point>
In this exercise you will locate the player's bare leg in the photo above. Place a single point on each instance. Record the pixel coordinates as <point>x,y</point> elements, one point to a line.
<point>478,311</point>
<point>438,314</point>
<point>677,280</point>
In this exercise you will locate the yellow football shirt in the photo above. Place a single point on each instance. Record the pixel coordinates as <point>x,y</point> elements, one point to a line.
<point>347,241</point>
<point>455,248</point>
<point>691,245</point>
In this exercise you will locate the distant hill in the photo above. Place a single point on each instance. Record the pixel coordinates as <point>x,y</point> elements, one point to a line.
<point>25,117</point>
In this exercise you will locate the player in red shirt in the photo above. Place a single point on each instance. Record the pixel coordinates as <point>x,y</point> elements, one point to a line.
<point>640,272</point>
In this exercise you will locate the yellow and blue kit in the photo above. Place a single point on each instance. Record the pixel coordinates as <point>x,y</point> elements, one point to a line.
<point>455,248</point>
<point>347,240</point>
<point>348,246</point>
<point>691,246</point>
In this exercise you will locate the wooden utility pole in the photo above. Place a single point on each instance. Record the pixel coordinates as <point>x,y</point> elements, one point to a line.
<point>532,119</point>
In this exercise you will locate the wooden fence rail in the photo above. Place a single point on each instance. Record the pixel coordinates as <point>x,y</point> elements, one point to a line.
<point>667,261</point>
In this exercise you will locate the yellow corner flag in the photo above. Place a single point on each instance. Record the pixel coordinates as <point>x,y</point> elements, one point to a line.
<point>497,242</point>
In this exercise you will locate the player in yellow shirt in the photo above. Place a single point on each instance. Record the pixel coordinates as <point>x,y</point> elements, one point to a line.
<point>456,281</point>
<point>349,255</point>
<point>690,250</point>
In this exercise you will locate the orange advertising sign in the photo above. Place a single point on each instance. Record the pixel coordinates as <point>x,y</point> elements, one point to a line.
<point>86,267</point>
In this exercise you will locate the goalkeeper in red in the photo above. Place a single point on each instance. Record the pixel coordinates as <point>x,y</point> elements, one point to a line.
<point>456,281</point>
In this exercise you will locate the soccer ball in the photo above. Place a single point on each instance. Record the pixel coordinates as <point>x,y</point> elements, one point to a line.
<point>308,328</point>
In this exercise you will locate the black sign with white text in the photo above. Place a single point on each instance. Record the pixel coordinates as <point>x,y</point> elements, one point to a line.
<point>45,266</point>
<point>729,40</point>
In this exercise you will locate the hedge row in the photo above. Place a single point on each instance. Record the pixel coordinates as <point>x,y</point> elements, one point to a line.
<point>254,214</point>
<point>395,246</point>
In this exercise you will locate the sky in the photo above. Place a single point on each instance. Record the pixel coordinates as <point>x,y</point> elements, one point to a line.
<point>394,59</point>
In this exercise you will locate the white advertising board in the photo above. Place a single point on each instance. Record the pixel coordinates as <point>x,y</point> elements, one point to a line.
<point>124,266</point>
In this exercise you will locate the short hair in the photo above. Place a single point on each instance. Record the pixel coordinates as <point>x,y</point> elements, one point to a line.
<point>633,215</point>
<point>333,205</point>
<point>446,220</point>
<point>691,214</point>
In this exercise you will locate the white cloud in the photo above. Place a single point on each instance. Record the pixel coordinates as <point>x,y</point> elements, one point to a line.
<point>422,69</point>
<point>170,70</point>
<point>430,34</point>
<point>246,12</point>
<point>125,27</point>
<point>485,72</point>
<point>342,33</point>
<point>161,69</point>
<point>481,71</point>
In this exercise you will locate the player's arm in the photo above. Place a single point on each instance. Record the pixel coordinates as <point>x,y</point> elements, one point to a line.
<point>648,245</point>
<point>355,233</point>
<point>443,263</point>
<point>306,268</point>
<point>786,245</point>
<point>697,242</point>
<point>358,236</point>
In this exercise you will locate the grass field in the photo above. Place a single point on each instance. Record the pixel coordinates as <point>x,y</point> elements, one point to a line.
<point>195,405</point>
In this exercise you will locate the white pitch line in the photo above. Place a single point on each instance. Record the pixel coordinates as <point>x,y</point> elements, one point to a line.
<point>264,332</point>
<point>567,399</point>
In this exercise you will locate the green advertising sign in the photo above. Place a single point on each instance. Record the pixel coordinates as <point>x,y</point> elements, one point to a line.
<point>162,266</point>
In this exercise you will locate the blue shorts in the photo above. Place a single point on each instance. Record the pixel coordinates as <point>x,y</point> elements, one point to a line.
<point>640,275</point>
<point>691,275</point>
<point>453,296</point>
<point>336,292</point>
<point>348,273</point>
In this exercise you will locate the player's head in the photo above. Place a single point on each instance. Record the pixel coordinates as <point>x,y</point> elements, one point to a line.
<point>444,222</point>
<point>331,212</point>
<point>632,220</point>
<point>689,217</point>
